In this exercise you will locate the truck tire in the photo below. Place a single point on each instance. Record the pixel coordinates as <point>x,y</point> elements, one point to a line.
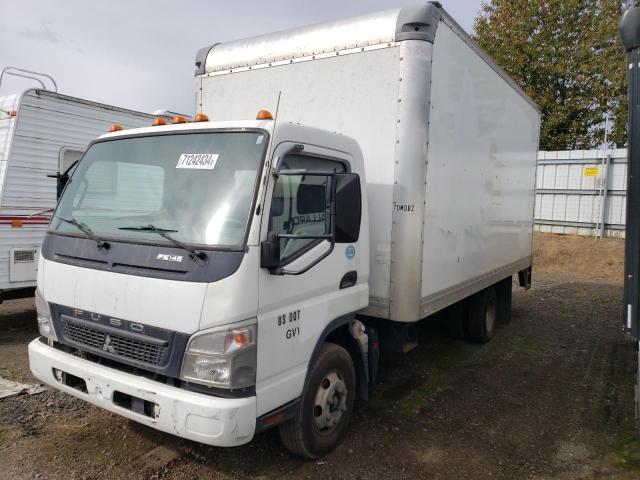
<point>456,318</point>
<point>483,313</point>
<point>503,291</point>
<point>326,406</point>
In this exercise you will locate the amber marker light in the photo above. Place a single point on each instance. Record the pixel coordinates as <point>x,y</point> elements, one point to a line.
<point>200,117</point>
<point>179,119</point>
<point>158,121</point>
<point>16,223</point>
<point>241,339</point>
<point>13,113</point>
<point>115,128</point>
<point>264,115</point>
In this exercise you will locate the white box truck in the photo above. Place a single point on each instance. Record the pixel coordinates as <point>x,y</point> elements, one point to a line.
<point>41,132</point>
<point>341,182</point>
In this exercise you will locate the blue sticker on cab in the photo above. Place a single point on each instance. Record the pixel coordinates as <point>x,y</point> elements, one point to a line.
<point>350,252</point>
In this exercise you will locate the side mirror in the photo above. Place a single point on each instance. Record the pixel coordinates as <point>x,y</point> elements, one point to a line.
<point>63,179</point>
<point>348,207</point>
<point>270,251</point>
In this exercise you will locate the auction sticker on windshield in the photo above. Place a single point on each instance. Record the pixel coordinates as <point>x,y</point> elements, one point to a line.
<point>205,161</point>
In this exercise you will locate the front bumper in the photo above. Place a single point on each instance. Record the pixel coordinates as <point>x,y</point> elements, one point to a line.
<point>206,419</point>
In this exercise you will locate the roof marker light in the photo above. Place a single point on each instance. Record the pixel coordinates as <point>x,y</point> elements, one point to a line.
<point>179,119</point>
<point>158,121</point>
<point>200,117</point>
<point>264,115</point>
<point>115,128</point>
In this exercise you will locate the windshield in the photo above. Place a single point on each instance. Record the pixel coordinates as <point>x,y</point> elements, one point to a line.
<point>197,186</point>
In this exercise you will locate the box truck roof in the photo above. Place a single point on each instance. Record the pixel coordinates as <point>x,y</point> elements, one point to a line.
<point>340,37</point>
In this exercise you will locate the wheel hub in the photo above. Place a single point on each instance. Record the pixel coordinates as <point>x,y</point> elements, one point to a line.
<point>330,402</point>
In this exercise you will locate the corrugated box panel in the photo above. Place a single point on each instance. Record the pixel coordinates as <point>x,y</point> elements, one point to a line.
<point>8,104</point>
<point>577,190</point>
<point>25,237</point>
<point>48,123</point>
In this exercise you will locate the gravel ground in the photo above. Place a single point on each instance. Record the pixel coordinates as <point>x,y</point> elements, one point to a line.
<point>551,396</point>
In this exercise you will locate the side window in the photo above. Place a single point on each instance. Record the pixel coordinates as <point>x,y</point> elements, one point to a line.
<point>298,203</point>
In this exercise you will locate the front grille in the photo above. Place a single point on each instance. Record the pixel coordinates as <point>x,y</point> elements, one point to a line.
<point>131,348</point>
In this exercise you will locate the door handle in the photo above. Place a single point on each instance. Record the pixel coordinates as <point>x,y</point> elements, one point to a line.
<point>349,279</point>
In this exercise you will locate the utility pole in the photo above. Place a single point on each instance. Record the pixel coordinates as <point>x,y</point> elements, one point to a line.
<point>630,34</point>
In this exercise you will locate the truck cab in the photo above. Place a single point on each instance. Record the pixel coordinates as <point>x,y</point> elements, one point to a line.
<point>202,278</point>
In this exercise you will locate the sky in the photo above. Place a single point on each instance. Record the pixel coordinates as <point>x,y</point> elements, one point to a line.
<point>140,54</point>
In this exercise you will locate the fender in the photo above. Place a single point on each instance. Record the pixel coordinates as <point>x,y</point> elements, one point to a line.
<point>289,410</point>
<point>354,349</point>
<point>328,330</point>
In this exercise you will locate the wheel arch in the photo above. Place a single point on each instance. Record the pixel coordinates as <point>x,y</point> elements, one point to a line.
<point>337,332</point>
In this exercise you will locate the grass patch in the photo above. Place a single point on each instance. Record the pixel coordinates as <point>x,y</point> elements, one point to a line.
<point>8,434</point>
<point>626,453</point>
<point>409,382</point>
<point>579,256</point>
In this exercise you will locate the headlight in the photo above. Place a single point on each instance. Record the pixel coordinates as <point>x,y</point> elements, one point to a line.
<point>45,325</point>
<point>225,357</point>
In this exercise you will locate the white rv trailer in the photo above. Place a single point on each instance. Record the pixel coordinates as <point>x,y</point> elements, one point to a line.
<point>41,132</point>
<point>391,176</point>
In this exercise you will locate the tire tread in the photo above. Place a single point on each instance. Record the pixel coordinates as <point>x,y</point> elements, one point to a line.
<point>292,431</point>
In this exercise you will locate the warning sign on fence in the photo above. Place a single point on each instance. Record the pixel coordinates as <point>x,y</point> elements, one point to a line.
<point>591,171</point>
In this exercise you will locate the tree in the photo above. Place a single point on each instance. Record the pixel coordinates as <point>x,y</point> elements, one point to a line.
<point>567,56</point>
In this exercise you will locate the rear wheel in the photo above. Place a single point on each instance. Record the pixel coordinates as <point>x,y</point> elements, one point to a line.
<point>326,407</point>
<point>456,318</point>
<point>483,313</point>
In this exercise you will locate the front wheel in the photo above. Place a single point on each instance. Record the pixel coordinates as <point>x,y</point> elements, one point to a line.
<point>326,407</point>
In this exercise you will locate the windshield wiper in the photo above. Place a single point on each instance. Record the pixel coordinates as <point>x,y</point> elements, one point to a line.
<point>87,231</point>
<point>164,233</point>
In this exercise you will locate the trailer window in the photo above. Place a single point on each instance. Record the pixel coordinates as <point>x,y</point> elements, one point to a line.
<point>68,156</point>
<point>298,203</point>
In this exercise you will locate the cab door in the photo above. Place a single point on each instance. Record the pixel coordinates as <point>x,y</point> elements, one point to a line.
<point>294,308</point>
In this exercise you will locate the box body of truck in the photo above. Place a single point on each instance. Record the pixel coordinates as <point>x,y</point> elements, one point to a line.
<point>338,180</point>
<point>449,143</point>
<point>41,132</point>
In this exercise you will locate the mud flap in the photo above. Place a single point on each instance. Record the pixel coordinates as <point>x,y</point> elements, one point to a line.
<point>524,278</point>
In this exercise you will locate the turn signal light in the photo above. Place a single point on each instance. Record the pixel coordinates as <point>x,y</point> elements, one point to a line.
<point>200,117</point>
<point>264,115</point>
<point>115,128</point>
<point>241,339</point>
<point>158,121</point>
<point>179,119</point>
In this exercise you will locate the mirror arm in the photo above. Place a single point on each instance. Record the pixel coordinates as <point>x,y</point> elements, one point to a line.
<point>62,178</point>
